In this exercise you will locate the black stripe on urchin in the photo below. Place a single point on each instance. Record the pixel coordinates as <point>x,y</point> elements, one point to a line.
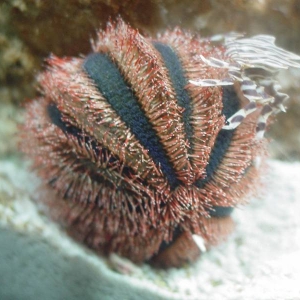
<point>220,211</point>
<point>179,82</point>
<point>121,97</point>
<point>56,118</point>
<point>231,105</point>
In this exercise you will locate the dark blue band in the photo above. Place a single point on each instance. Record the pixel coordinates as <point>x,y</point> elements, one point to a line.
<point>231,105</point>
<point>121,97</point>
<point>179,82</point>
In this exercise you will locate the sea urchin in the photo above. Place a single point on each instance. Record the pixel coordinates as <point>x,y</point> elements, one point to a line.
<point>149,143</point>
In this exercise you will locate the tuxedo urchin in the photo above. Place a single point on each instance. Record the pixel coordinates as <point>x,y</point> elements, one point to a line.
<point>147,144</point>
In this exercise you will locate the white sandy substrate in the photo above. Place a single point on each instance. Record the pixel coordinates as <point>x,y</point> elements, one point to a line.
<point>261,260</point>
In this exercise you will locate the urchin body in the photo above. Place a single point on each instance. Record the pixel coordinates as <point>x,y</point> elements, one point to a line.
<point>136,157</point>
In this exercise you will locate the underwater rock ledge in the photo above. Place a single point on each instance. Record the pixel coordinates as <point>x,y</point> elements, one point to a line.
<point>38,259</point>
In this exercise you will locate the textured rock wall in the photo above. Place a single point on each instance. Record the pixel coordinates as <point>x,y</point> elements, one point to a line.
<point>31,30</point>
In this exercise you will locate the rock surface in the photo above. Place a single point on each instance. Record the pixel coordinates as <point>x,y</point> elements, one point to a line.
<point>31,30</point>
<point>259,261</point>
